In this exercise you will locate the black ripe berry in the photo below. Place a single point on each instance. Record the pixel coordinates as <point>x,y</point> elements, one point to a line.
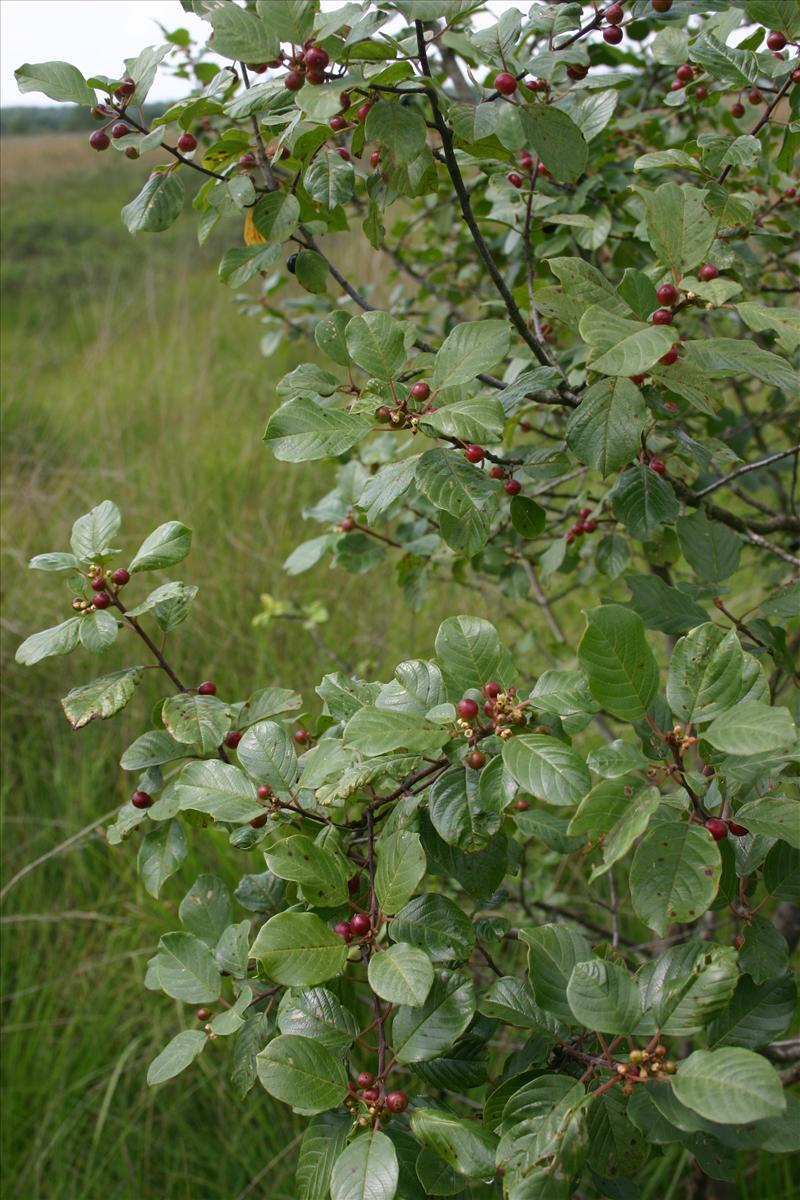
<point>291,264</point>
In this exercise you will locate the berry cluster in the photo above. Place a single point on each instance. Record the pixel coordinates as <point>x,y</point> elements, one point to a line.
<point>359,925</point>
<point>305,66</point>
<point>105,585</point>
<point>720,829</point>
<point>645,1064</point>
<point>369,1092</point>
<point>581,525</point>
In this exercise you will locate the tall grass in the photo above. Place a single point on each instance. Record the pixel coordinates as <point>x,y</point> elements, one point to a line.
<point>129,374</point>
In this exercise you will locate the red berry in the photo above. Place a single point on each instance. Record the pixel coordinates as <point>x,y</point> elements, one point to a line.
<point>370,1095</point>
<point>577,71</point>
<point>701,92</point>
<point>667,293</point>
<point>476,759</point>
<point>232,739</point>
<point>186,142</point>
<point>662,6</point>
<point>669,358</point>
<point>360,924</point>
<point>488,707</point>
<point>343,152</point>
<point>207,688</point>
<point>120,577</point>
<point>684,73</point>
<point>657,465</point>
<point>737,110</point>
<point>492,689</point>
<point>514,179</point>
<point>522,805</point>
<point>99,140</point>
<point>126,88</point>
<point>662,316</point>
<point>637,379</point>
<point>614,14</point>
<point>420,390</point>
<point>543,171</point>
<point>141,799</point>
<point>375,158</point>
<point>525,160</point>
<point>363,111</point>
<point>790,193</point>
<point>98,582</point>
<point>247,160</point>
<point>317,58</point>
<point>497,473</point>
<point>315,77</point>
<point>293,80</point>
<point>344,99</point>
<point>776,41</point>
<point>353,884</point>
<point>300,736</point>
<point>467,708</point>
<point>718,829</point>
<point>512,486</point>
<point>738,941</point>
<point>99,112</point>
<point>203,1014</point>
<point>397,1102</point>
<point>796,75</point>
<point>737,830</point>
<point>347,524</point>
<point>344,931</point>
<point>260,821</point>
<point>473,453</point>
<point>101,599</point>
<point>584,512</point>
<point>337,123</point>
<point>264,791</point>
<point>365,1079</point>
<point>676,85</point>
<point>707,272</point>
<point>569,536</point>
<point>383,413</point>
<point>120,129</point>
<point>131,152</point>
<point>754,97</point>
<point>613,35</point>
<point>505,83</point>
<point>589,526</point>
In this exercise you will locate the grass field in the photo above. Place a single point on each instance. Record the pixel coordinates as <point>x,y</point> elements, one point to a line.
<point>129,374</point>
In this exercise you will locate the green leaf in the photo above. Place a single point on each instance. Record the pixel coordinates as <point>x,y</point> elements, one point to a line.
<point>661,606</point>
<point>511,1000</point>
<point>398,129</point>
<point>298,949</point>
<point>276,215</point>
<point>782,872</point>
<point>603,996</point>
<point>679,226</point>
<point>102,698</point>
<point>621,346</point>
<point>205,910</point>
<point>186,970</point>
<point>674,875</point>
<point>437,925</point>
<point>60,639</point>
<point>57,80</point>
<point>620,667</point>
<point>242,34</point>
<point>721,358</point>
<point>546,768</point>
<point>757,1014</point>
<point>765,953</point>
<point>616,812</point>
<point>464,1144</point>
<point>527,517</point>
<point>401,866</point>
<point>752,728</point>
<point>196,720</point>
<point>735,66</point>
<point>773,816</point>
<point>643,502</point>
<point>53,562</point>
<point>330,180</point>
<point>616,758</point>
<point>176,1056</point>
<point>242,263</point>
<point>324,1140</point>
<point>161,852</point>
<point>93,533</point>
<point>165,546</point>
<point>459,810</point>
<point>267,753</point>
<point>468,350</point>
<point>321,871</point>
<point>729,1086</point>
<point>556,139</point>
<point>469,654</point>
<point>604,430</point>
<point>401,974</point>
<point>686,986</point>
<point>220,790</point>
<point>453,484</point>
<point>477,419</point>
<point>553,953</point>
<point>705,673</point>
<point>311,272</point>
<point>367,1169</point>
<point>302,431</point>
<point>158,205</point>
<point>422,1033</point>
<point>712,550</point>
<point>316,1013</point>
<point>376,342</point>
<point>374,731</point>
<point>302,1073</point>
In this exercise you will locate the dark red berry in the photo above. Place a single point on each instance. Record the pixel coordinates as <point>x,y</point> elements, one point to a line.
<point>232,739</point>
<point>365,1079</point>
<point>260,821</point>
<point>101,599</point>
<point>99,140</point>
<point>371,1095</point>
<point>577,71</point>
<point>141,799</point>
<point>717,828</point>
<point>737,110</point>
<point>614,14</point>
<point>776,40</point>
<point>637,379</point>
<point>589,526</point>
<point>521,805</point>
<point>317,58</point>
<point>247,160</point>
<point>347,524</point>
<point>707,272</point>
<point>360,924</point>
<point>514,179</point>
<point>337,123</point>
<point>662,6</point>
<point>790,193</point>
<point>126,88</point>
<point>669,358</point>
<point>119,129</point>
<point>301,736</point>
<point>362,112</point>
<point>131,152</point>
<point>98,582</point>
<point>737,830</point>
<point>492,689</point>
<point>397,1102</point>
<point>657,465</point>
<point>476,759</point>
<point>512,486</point>
<point>525,160</point>
<point>343,152</point>
<point>543,171</point>
<point>684,73</point>
<point>203,1014</point>
<point>488,707</point>
<point>375,158</point>
<point>505,83</point>
<point>344,931</point>
<point>420,390</point>
<point>467,708</point>
<point>344,99</point>
<point>473,453</point>
<point>497,473</point>
<point>754,97</point>
<point>662,316</point>
<point>383,413</point>
<point>120,577</point>
<point>207,688</point>
<point>99,112</point>
<point>187,142</point>
<point>667,293</point>
<point>796,75</point>
<point>264,792</point>
<point>676,85</point>
<point>701,92</point>
<point>293,80</point>
<point>613,35</point>
<point>353,884</point>
<point>738,941</point>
